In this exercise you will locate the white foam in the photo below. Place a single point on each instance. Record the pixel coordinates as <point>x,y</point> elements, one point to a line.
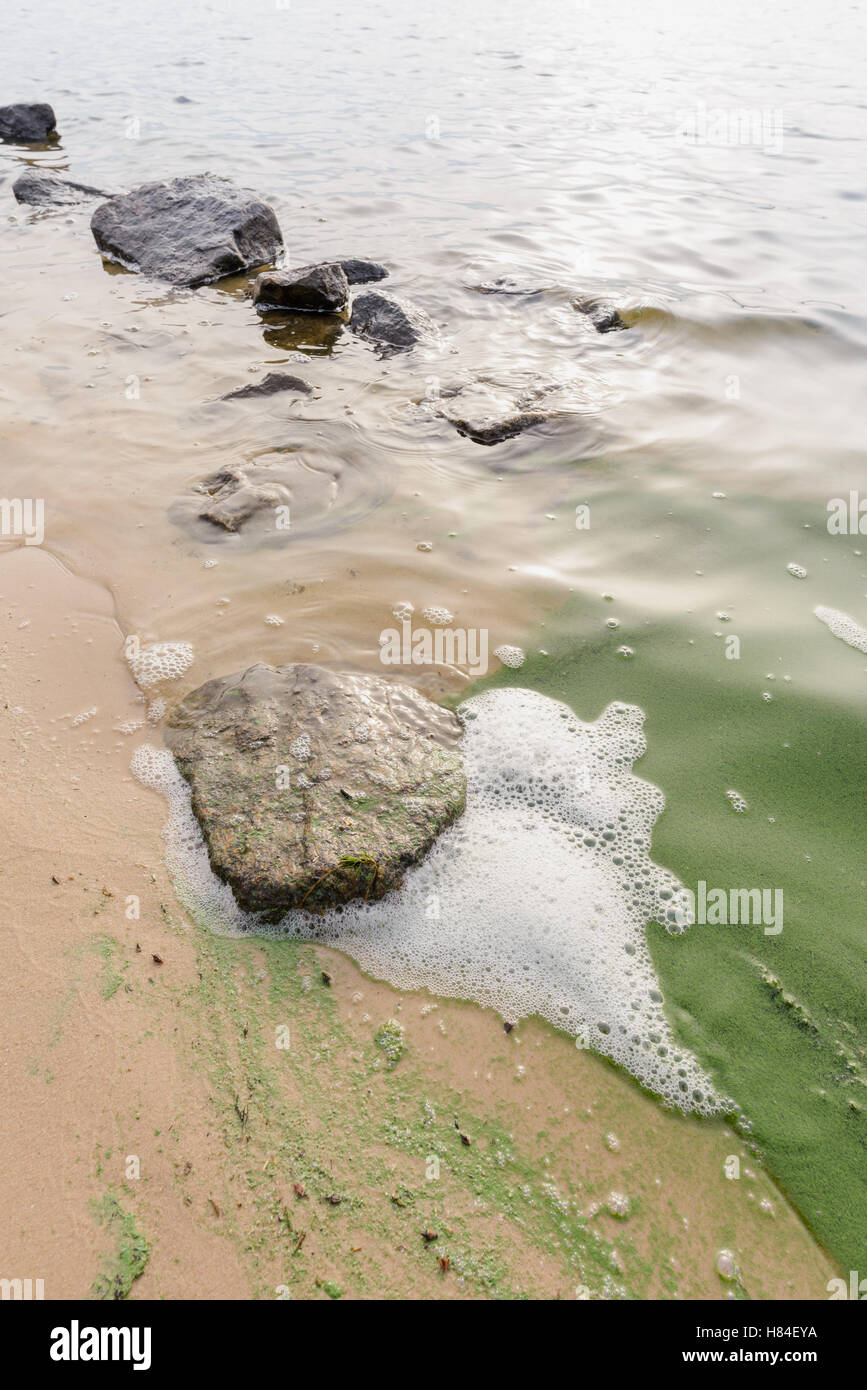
<point>510,656</point>
<point>159,661</point>
<point>438,617</point>
<point>535,902</point>
<point>843,627</point>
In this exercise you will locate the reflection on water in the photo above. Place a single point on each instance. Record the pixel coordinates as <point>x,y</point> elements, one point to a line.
<point>695,166</point>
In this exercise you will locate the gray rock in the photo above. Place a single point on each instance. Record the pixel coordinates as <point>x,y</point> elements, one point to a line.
<point>486,429</point>
<point>362,272</point>
<point>270,385</point>
<point>604,317</point>
<point>312,786</point>
<point>27,123</point>
<point>188,231</point>
<point>488,416</point>
<point>507,284</point>
<point>45,190</point>
<point>234,497</point>
<point>393,324</point>
<point>308,289</point>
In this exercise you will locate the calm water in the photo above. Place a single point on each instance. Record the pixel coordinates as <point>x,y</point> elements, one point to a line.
<point>700,166</point>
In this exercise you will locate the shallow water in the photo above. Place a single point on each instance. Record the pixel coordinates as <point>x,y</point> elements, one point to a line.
<point>459,145</point>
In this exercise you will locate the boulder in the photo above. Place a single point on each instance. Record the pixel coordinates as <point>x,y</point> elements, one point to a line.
<point>270,385</point>
<point>314,786</point>
<point>44,190</point>
<point>27,123</point>
<point>234,496</point>
<point>392,324</point>
<point>362,272</point>
<point>309,289</point>
<point>188,231</point>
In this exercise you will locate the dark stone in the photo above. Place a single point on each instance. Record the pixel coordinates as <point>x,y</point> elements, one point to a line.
<point>484,430</point>
<point>27,123</point>
<point>188,231</point>
<point>42,189</point>
<point>235,497</point>
<point>313,786</point>
<point>270,385</point>
<point>309,289</point>
<point>393,324</point>
<point>362,272</point>
<point>604,317</point>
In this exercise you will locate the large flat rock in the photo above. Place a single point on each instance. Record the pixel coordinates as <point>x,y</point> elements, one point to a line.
<point>188,231</point>
<point>313,786</point>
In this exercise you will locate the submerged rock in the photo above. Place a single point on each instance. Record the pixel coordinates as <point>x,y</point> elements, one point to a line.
<point>234,496</point>
<point>362,272</point>
<point>308,289</point>
<point>487,429</point>
<point>488,416</point>
<point>270,385</point>
<point>507,284</point>
<point>393,324</point>
<point>188,231</point>
<point>312,786</point>
<point>41,189</point>
<point>604,317</point>
<point>27,123</point>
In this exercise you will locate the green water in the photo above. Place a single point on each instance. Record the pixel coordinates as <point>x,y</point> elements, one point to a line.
<point>780,1020</point>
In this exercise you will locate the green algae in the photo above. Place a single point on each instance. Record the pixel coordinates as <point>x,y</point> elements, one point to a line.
<point>390,1038</point>
<point>339,1137</point>
<point>129,1255</point>
<point>778,1019</point>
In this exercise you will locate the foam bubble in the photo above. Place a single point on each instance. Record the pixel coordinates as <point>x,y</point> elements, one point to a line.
<point>438,617</point>
<point>797,571</point>
<point>843,627</point>
<point>510,656</point>
<point>159,661</point>
<point>535,902</point>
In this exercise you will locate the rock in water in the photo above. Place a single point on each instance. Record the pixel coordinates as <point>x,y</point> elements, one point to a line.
<point>489,429</point>
<point>41,189</point>
<point>27,123</point>
<point>488,416</point>
<point>314,786</point>
<point>362,272</point>
<point>309,289</point>
<point>235,494</point>
<point>393,324</point>
<point>188,231</point>
<point>604,317</point>
<point>270,385</point>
